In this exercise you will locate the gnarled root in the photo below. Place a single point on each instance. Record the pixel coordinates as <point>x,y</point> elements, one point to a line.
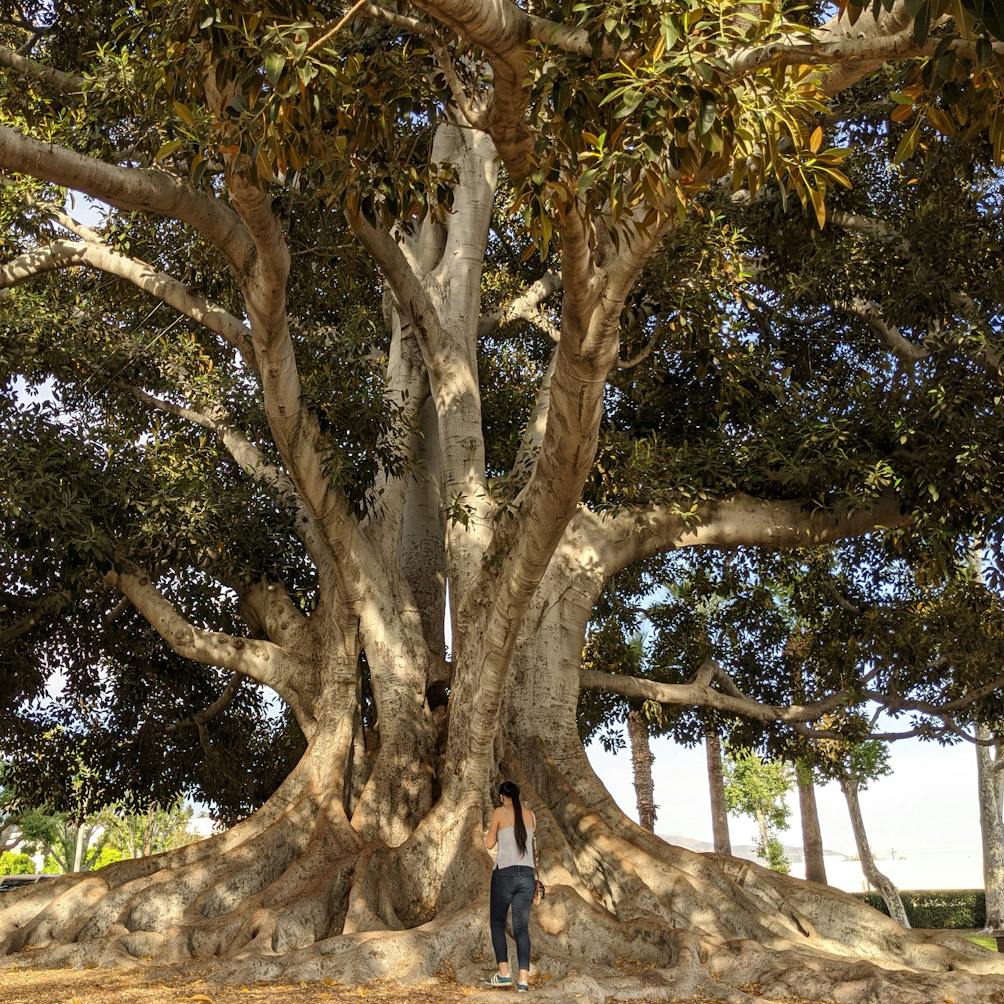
<point>295,893</point>
<point>729,924</point>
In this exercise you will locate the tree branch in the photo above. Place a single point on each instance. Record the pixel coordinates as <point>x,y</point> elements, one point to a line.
<point>402,272</point>
<point>633,534</point>
<point>871,313</point>
<point>68,254</point>
<point>45,607</point>
<point>700,691</point>
<point>130,189</point>
<point>525,307</point>
<point>502,30</point>
<point>67,83</point>
<point>218,706</point>
<point>254,463</point>
<point>533,433</point>
<point>260,660</point>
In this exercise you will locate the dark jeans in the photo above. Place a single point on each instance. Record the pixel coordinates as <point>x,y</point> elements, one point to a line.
<point>512,886</point>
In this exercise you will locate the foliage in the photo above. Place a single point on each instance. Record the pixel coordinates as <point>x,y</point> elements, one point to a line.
<point>135,833</point>
<point>16,864</point>
<point>774,855</point>
<point>758,788</point>
<point>938,908</point>
<point>758,379</point>
<point>857,763</point>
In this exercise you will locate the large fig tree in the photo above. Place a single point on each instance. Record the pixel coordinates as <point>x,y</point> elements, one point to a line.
<point>465,306</point>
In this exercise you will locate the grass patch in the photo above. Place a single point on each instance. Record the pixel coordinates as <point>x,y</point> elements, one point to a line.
<point>983,940</point>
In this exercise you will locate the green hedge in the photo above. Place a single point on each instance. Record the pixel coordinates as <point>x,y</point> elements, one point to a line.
<point>941,908</point>
<point>16,864</point>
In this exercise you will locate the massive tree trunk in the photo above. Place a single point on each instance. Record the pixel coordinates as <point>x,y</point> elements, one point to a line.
<point>989,780</point>
<point>301,889</point>
<point>716,791</point>
<point>812,836</point>
<point>642,759</point>
<point>367,861</point>
<point>879,881</point>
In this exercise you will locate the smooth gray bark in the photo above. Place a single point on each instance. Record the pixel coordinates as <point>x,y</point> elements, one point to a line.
<point>812,837</point>
<point>991,830</point>
<point>716,786</point>
<point>881,882</point>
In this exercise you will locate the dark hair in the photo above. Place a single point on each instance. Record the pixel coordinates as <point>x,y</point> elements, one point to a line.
<point>510,790</point>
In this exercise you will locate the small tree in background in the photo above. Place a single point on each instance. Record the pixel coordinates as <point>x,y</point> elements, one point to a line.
<point>758,788</point>
<point>135,831</point>
<point>16,864</point>
<point>854,766</point>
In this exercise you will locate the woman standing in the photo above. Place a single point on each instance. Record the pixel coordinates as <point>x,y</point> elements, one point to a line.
<point>513,883</point>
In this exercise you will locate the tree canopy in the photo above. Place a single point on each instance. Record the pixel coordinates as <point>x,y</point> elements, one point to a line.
<point>319,320</point>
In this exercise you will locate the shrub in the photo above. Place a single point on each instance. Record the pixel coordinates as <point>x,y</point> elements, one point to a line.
<point>938,908</point>
<point>109,855</point>
<point>16,864</point>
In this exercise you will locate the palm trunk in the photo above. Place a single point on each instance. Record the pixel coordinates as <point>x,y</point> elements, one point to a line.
<point>642,760</point>
<point>991,831</point>
<point>812,837</point>
<point>716,785</point>
<point>78,848</point>
<point>884,885</point>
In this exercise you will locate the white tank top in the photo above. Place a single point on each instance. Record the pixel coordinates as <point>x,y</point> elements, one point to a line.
<point>509,854</point>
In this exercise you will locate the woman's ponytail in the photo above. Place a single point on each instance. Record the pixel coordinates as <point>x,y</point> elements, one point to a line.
<point>510,790</point>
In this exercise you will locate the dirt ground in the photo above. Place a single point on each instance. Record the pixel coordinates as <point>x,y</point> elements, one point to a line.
<point>155,985</point>
<point>174,985</point>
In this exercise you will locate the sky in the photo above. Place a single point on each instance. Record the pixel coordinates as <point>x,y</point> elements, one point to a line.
<point>927,805</point>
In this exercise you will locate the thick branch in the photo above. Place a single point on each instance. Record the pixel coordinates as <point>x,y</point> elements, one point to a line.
<point>45,607</point>
<point>68,83</point>
<point>525,307</point>
<point>254,463</point>
<point>67,254</point>
<point>533,433</point>
<point>700,691</point>
<point>259,660</point>
<point>871,314</point>
<point>502,30</point>
<point>634,534</point>
<point>130,189</point>
<point>731,700</point>
<point>400,269</point>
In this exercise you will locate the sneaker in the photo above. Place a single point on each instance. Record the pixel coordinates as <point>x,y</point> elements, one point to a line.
<point>522,988</point>
<point>498,981</point>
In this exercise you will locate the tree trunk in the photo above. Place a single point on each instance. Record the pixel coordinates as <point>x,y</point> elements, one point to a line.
<point>999,776</point>
<point>991,831</point>
<point>78,848</point>
<point>641,762</point>
<point>812,837</point>
<point>889,892</point>
<point>354,869</point>
<point>716,788</point>
<point>764,831</point>
<point>296,892</point>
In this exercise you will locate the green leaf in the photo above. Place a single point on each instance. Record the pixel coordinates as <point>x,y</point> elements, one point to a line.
<point>167,149</point>
<point>922,24</point>
<point>907,145</point>
<point>274,64</point>
<point>707,113</point>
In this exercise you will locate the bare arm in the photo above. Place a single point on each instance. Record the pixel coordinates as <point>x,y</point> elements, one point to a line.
<point>491,837</point>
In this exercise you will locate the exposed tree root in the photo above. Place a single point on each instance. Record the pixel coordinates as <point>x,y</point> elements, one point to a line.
<point>294,894</point>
